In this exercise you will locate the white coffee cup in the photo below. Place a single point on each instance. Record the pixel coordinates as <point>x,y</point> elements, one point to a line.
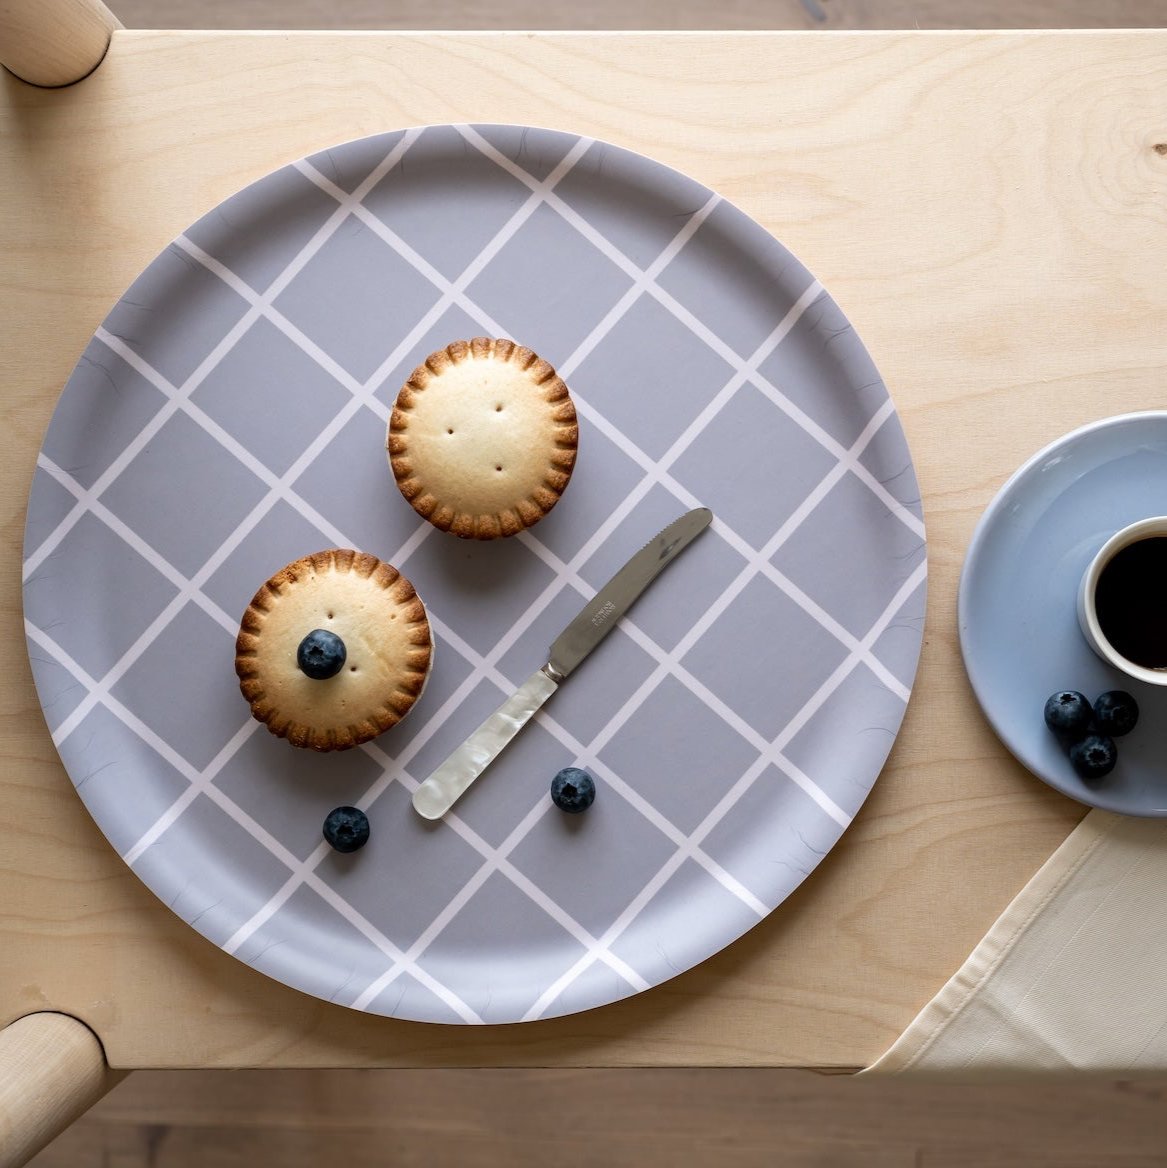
<point>1155,527</point>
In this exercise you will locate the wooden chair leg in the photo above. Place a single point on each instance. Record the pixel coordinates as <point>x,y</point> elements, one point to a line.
<point>52,1070</point>
<point>54,42</point>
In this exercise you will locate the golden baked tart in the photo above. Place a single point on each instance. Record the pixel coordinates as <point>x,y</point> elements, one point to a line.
<point>333,650</point>
<point>483,437</point>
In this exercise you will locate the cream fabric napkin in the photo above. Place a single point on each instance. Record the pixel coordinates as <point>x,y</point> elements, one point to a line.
<point>1073,975</point>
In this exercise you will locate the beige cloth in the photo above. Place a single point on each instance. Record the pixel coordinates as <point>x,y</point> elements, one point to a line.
<point>1073,975</point>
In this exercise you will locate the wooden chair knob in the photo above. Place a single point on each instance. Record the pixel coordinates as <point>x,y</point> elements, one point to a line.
<point>52,1070</point>
<point>54,42</point>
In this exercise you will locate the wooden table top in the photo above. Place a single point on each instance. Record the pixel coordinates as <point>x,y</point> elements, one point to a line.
<point>987,208</point>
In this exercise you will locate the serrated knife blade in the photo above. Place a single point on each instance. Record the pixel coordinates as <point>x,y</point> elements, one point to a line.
<point>434,797</point>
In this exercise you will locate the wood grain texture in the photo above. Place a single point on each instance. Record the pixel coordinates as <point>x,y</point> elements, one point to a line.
<point>988,211</point>
<point>586,1119</point>
<point>52,1070</point>
<point>653,14</point>
<point>54,42</point>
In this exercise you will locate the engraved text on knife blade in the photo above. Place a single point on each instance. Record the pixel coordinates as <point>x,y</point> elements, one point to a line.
<point>614,598</point>
<point>604,613</point>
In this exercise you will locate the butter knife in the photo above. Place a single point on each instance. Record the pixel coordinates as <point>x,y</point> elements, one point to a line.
<point>599,616</point>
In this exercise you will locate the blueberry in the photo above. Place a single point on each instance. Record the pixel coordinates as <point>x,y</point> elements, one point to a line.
<point>347,828</point>
<point>1115,713</point>
<point>1068,714</point>
<point>572,790</point>
<point>321,654</point>
<point>1094,756</point>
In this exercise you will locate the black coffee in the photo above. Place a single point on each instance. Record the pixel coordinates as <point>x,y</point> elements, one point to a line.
<point>1131,602</point>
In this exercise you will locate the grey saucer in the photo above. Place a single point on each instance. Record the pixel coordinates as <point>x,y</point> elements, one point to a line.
<point>1019,629</point>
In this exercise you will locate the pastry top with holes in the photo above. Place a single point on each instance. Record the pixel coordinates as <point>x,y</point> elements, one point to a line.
<point>382,623</point>
<point>483,437</point>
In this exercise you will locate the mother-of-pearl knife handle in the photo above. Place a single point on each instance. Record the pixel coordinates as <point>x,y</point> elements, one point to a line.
<point>442,789</point>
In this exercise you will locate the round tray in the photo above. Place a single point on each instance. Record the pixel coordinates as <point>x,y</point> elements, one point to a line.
<point>229,416</point>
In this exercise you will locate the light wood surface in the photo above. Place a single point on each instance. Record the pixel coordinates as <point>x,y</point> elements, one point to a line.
<point>654,14</point>
<point>987,209</point>
<point>52,1069</point>
<point>726,1118</point>
<point>54,42</point>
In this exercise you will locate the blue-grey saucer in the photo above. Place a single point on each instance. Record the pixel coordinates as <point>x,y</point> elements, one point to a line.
<point>1019,631</point>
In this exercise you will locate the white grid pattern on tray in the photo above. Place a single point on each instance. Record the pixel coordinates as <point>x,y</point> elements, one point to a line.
<point>656,471</point>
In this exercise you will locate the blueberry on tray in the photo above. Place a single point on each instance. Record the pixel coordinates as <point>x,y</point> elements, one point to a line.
<point>347,829</point>
<point>573,790</point>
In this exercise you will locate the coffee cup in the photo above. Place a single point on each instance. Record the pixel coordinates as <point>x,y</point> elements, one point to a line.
<point>1122,601</point>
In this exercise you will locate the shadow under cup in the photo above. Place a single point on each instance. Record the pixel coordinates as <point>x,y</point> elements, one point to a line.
<point>1122,601</point>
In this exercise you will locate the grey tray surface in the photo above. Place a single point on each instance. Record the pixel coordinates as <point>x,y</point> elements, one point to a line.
<point>229,416</point>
